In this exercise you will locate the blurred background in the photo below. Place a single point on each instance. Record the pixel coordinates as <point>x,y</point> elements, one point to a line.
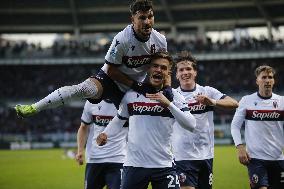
<point>52,43</point>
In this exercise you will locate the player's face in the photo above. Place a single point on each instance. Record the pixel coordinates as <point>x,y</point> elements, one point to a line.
<point>143,22</point>
<point>186,73</point>
<point>159,71</point>
<point>265,82</point>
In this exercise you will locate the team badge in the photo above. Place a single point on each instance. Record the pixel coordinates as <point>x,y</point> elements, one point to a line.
<point>132,47</point>
<point>254,179</point>
<point>153,48</point>
<point>255,103</point>
<point>182,177</point>
<point>99,107</point>
<point>275,104</point>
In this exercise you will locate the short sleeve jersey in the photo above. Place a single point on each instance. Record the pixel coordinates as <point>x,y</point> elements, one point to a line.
<point>132,55</point>
<point>97,116</point>
<point>199,144</point>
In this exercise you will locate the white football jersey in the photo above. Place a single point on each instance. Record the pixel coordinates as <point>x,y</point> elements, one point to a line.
<point>264,119</point>
<point>199,144</point>
<point>150,130</point>
<point>97,116</point>
<point>131,55</point>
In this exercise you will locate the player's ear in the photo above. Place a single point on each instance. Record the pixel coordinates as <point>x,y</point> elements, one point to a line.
<point>132,19</point>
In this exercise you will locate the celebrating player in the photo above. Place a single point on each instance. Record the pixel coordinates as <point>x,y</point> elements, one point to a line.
<point>151,117</point>
<point>263,114</point>
<point>104,163</point>
<point>194,151</point>
<point>126,65</point>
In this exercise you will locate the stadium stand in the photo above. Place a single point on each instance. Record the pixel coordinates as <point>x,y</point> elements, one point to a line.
<point>29,71</point>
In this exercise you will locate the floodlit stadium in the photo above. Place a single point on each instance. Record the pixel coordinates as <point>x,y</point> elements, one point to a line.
<point>48,44</point>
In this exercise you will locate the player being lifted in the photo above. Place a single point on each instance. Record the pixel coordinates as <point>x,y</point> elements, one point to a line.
<point>263,115</point>
<point>151,118</point>
<point>194,151</point>
<point>126,65</point>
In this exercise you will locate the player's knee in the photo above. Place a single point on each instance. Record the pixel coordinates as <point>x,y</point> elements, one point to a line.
<point>89,89</point>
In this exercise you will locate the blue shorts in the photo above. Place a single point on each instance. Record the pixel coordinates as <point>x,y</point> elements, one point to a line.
<point>110,89</point>
<point>98,175</point>
<point>266,173</point>
<point>139,178</point>
<point>195,173</point>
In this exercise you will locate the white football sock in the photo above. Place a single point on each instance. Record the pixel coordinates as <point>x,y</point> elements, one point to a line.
<point>61,96</point>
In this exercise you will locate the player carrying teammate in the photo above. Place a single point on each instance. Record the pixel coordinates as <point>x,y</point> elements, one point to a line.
<point>151,118</point>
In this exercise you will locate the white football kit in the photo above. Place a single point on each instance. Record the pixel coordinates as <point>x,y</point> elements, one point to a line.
<point>264,119</point>
<point>97,116</point>
<point>199,144</point>
<point>132,55</point>
<point>150,128</point>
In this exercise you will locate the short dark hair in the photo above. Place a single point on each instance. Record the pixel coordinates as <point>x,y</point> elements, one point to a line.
<point>140,5</point>
<point>186,56</point>
<point>162,54</point>
<point>264,68</point>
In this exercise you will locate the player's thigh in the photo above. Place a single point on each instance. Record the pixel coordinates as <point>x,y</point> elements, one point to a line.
<point>94,176</point>
<point>258,175</point>
<point>205,178</point>
<point>113,174</point>
<point>276,174</point>
<point>110,90</point>
<point>188,171</point>
<point>165,178</point>
<point>135,177</point>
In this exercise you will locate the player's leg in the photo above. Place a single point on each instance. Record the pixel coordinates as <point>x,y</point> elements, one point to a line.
<point>135,177</point>
<point>188,171</point>
<point>113,174</point>
<point>164,178</point>
<point>258,174</point>
<point>276,174</point>
<point>205,177</point>
<point>94,176</point>
<point>90,88</point>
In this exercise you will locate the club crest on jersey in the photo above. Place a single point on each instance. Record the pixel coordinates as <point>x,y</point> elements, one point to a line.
<point>275,105</point>
<point>255,103</point>
<point>254,179</point>
<point>102,120</point>
<point>153,49</point>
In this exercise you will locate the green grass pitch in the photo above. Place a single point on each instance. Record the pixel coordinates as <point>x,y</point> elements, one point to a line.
<point>47,169</point>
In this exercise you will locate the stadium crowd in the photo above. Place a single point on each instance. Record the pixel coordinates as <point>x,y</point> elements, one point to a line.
<point>88,48</point>
<point>37,81</point>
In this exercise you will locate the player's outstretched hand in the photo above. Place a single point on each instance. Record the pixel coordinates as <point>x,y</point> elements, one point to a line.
<point>143,88</point>
<point>80,158</point>
<point>203,99</point>
<point>101,139</point>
